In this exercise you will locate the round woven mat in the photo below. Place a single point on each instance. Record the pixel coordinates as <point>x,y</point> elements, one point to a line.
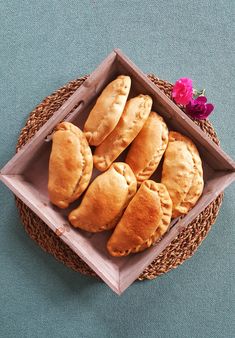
<point>180,249</point>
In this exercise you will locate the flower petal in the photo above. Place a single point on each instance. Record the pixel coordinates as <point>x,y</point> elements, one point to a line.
<point>187,81</point>
<point>209,108</point>
<point>202,116</point>
<point>201,99</point>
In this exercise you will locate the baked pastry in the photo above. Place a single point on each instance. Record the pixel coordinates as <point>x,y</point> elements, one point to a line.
<point>131,122</point>
<point>166,207</point>
<point>182,173</point>
<point>145,220</point>
<point>70,165</point>
<point>148,147</point>
<point>107,111</point>
<point>105,200</point>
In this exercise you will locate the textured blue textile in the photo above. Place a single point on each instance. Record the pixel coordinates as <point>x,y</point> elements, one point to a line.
<point>44,44</point>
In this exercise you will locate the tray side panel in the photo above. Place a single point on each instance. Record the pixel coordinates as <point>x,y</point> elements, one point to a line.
<point>79,243</point>
<point>140,261</point>
<point>216,157</point>
<point>94,83</point>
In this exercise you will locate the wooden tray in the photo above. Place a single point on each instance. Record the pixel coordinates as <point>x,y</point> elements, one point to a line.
<point>27,172</point>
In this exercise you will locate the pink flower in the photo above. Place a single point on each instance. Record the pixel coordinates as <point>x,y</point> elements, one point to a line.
<point>198,108</point>
<point>182,91</point>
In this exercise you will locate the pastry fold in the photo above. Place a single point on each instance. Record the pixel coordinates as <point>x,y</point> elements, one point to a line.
<point>107,111</point>
<point>131,122</point>
<point>105,200</point>
<point>145,220</point>
<point>70,165</point>
<point>182,173</point>
<point>148,147</point>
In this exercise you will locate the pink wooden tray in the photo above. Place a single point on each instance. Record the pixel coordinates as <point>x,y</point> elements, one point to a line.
<point>26,174</point>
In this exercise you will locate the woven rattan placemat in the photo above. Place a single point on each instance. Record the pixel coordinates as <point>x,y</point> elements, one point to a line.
<point>180,249</point>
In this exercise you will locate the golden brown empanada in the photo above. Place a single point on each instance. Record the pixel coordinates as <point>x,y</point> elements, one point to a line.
<point>131,122</point>
<point>146,219</point>
<point>166,206</point>
<point>182,173</point>
<point>105,200</point>
<point>70,165</point>
<point>148,147</point>
<point>107,111</point>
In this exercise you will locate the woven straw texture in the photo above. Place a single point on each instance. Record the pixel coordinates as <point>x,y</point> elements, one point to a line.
<point>180,249</point>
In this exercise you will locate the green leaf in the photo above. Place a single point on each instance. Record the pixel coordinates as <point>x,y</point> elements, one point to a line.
<point>197,93</point>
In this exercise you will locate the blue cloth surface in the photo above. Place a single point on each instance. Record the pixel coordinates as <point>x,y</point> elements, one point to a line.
<point>44,44</point>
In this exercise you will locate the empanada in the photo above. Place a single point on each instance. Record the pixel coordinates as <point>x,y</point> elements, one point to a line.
<point>182,173</point>
<point>105,200</point>
<point>107,111</point>
<point>146,219</point>
<point>131,122</point>
<point>70,165</point>
<point>166,206</point>
<point>148,147</point>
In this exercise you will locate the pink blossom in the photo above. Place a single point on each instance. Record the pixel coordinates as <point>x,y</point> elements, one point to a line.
<point>182,91</point>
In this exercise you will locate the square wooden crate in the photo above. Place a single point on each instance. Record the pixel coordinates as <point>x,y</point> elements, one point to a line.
<point>26,174</point>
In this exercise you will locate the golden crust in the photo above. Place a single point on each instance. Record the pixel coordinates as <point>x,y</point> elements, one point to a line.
<point>107,111</point>
<point>70,165</point>
<point>166,206</point>
<point>148,147</point>
<point>105,199</point>
<point>131,122</point>
<point>146,218</point>
<point>182,173</point>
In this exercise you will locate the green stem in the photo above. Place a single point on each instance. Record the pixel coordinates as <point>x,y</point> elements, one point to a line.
<point>197,93</point>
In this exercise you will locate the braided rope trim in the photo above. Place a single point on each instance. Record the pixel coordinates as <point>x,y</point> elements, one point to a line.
<point>180,249</point>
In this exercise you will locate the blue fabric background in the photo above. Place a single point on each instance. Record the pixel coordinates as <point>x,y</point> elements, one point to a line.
<point>44,44</point>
